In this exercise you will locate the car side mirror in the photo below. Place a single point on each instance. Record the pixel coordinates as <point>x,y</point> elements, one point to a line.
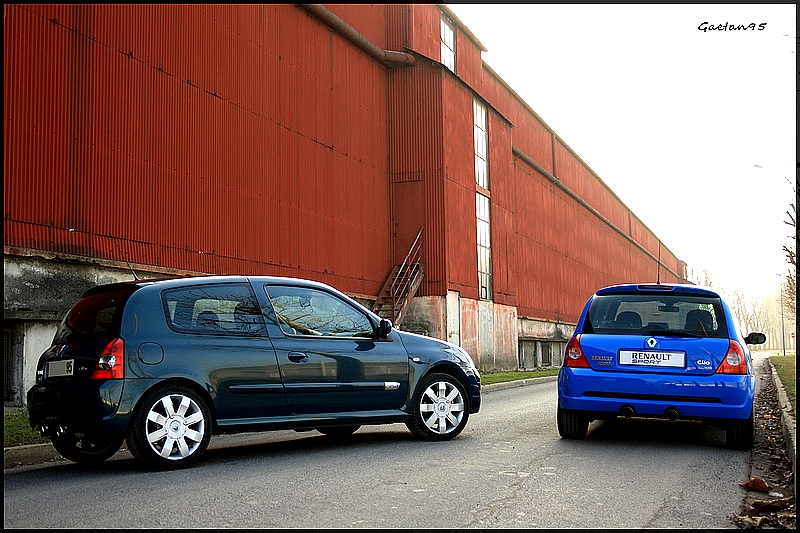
<point>384,328</point>
<point>755,338</point>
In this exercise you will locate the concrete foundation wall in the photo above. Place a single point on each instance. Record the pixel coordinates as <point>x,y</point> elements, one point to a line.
<point>489,332</point>
<point>38,290</point>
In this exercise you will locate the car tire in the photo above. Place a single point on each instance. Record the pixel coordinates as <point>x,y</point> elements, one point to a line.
<point>572,424</point>
<point>87,449</point>
<point>739,434</point>
<point>338,431</point>
<point>171,428</point>
<point>441,408</point>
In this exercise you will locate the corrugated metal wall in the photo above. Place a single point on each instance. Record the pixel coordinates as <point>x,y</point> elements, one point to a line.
<point>211,138</point>
<point>255,139</point>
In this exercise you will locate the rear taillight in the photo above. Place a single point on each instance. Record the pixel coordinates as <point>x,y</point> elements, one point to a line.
<point>734,362</point>
<point>574,354</point>
<point>112,361</point>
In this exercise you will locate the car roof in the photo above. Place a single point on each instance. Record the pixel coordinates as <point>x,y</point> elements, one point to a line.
<point>663,288</point>
<point>166,282</point>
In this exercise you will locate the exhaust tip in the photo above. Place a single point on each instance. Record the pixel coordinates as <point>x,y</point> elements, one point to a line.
<point>627,411</point>
<point>51,431</point>
<point>672,414</point>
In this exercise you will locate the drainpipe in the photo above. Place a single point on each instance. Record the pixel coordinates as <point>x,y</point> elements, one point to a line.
<point>387,57</point>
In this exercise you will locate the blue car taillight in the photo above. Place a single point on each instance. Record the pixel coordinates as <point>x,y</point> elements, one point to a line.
<point>574,354</point>
<point>112,361</point>
<point>734,362</point>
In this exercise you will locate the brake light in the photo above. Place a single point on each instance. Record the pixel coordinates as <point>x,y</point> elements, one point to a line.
<point>574,354</point>
<point>111,364</point>
<point>734,362</point>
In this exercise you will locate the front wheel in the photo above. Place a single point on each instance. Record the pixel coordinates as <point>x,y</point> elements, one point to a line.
<point>171,428</point>
<point>440,408</point>
<point>87,449</point>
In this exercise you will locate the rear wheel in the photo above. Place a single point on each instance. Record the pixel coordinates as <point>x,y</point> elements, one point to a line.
<point>87,449</point>
<point>572,424</point>
<point>739,434</point>
<point>440,408</point>
<point>171,428</point>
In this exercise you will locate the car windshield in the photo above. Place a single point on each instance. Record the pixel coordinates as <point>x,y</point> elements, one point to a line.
<point>657,314</point>
<point>97,315</point>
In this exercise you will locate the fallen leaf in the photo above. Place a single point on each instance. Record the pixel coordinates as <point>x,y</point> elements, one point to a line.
<point>756,484</point>
<point>748,522</point>
<point>772,505</point>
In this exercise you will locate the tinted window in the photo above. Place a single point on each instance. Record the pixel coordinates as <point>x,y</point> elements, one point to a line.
<point>98,315</point>
<point>221,309</point>
<point>636,314</point>
<point>303,311</point>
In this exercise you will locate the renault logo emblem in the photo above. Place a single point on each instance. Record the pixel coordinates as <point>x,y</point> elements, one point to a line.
<point>651,342</point>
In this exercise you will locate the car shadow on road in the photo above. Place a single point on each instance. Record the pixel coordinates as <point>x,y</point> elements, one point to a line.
<point>647,430</point>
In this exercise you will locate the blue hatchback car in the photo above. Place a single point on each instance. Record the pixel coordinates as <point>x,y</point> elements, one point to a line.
<point>658,351</point>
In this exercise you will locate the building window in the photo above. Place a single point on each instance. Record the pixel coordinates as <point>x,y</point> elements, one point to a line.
<point>448,43</point>
<point>538,354</point>
<point>481,131</point>
<point>482,203</point>
<point>484,246</point>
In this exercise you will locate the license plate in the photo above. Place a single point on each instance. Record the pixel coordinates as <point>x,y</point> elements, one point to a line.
<point>650,358</point>
<point>60,368</point>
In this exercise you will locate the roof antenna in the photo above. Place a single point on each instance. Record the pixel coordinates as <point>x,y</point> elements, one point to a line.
<point>658,268</point>
<point>124,256</point>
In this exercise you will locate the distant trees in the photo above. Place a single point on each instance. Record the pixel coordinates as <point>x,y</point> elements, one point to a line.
<point>789,288</point>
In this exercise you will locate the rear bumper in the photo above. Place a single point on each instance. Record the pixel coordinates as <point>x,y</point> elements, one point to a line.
<point>713,397</point>
<point>87,408</point>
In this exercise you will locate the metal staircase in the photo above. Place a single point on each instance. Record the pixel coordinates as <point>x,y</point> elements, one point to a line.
<point>401,285</point>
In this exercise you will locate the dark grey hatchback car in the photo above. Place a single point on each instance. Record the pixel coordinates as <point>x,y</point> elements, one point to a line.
<point>164,364</point>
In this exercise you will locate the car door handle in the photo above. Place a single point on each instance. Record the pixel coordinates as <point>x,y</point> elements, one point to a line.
<point>298,357</point>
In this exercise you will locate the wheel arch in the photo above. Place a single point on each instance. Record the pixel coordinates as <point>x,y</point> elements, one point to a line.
<point>201,391</point>
<point>445,367</point>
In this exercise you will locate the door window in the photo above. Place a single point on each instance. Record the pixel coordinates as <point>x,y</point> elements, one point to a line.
<point>304,311</point>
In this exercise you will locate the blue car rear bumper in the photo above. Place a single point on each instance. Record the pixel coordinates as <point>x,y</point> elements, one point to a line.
<point>710,397</point>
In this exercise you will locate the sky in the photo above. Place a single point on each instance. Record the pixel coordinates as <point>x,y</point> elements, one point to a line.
<point>695,131</point>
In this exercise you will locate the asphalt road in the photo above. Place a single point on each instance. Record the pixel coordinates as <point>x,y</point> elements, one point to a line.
<point>508,469</point>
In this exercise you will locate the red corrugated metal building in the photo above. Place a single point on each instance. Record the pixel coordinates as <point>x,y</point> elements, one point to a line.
<point>301,140</point>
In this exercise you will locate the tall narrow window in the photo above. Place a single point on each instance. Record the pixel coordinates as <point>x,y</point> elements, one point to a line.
<point>484,247</point>
<point>448,43</point>
<point>482,201</point>
<point>481,131</point>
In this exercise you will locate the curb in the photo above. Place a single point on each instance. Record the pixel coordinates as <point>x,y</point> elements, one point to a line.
<point>517,383</point>
<point>29,454</point>
<point>788,423</point>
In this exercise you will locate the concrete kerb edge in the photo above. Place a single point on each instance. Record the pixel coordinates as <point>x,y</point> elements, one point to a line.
<point>517,383</point>
<point>788,423</point>
<point>28,454</point>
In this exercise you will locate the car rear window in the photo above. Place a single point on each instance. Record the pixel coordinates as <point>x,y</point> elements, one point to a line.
<point>656,314</point>
<point>217,309</point>
<point>98,315</point>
